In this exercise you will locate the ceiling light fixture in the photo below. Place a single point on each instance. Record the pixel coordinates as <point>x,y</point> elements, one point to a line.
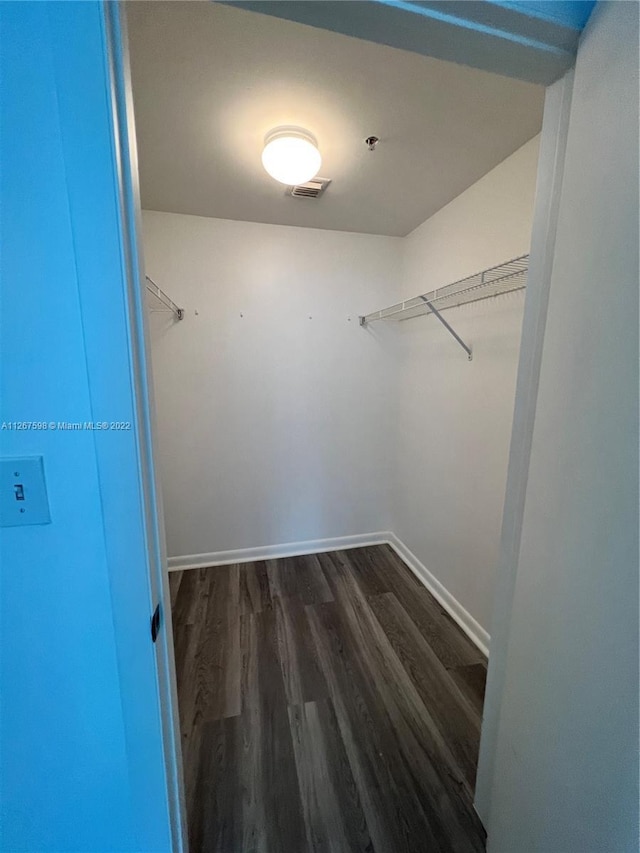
<point>291,155</point>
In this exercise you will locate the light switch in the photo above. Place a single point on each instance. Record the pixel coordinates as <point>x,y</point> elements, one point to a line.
<point>23,492</point>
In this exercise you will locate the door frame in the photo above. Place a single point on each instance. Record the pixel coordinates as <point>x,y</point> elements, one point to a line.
<point>126,158</point>
<point>548,192</point>
<point>553,143</point>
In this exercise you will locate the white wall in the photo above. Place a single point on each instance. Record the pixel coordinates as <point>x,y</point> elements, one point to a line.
<point>454,416</point>
<point>81,765</point>
<point>566,767</point>
<point>273,427</point>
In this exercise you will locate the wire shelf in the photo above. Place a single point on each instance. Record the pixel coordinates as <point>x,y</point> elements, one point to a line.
<point>504,278</point>
<point>168,305</point>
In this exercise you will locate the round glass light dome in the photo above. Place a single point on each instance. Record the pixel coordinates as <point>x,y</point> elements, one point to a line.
<point>291,155</point>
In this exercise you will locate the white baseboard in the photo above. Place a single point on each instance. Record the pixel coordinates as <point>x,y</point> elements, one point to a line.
<point>458,613</point>
<point>272,552</point>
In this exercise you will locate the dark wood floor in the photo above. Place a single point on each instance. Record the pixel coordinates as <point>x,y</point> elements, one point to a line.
<point>327,703</point>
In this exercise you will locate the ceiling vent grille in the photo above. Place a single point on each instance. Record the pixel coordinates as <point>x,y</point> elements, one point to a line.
<point>312,189</point>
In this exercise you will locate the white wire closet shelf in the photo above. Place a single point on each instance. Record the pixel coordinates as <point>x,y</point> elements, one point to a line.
<point>504,278</point>
<point>165,301</point>
<point>495,281</point>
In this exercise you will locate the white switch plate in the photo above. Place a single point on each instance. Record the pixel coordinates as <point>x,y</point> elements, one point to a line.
<point>23,492</point>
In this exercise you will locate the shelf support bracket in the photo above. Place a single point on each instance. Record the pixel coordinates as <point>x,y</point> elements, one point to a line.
<point>451,331</point>
<point>159,293</point>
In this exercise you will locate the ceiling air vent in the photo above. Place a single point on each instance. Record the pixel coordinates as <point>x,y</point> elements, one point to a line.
<point>312,189</point>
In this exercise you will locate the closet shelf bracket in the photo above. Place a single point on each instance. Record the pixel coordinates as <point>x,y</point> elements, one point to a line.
<point>169,304</point>
<point>451,331</point>
<point>433,310</point>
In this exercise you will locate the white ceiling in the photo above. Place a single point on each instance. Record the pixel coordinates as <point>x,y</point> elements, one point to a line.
<point>210,80</point>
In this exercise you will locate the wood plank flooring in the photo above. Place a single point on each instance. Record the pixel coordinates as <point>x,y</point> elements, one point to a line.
<point>328,704</point>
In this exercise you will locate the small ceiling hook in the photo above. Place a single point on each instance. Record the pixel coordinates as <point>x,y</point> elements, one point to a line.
<point>371,142</point>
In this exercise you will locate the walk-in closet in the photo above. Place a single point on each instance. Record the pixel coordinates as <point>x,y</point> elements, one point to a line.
<point>319,426</point>
<point>334,357</point>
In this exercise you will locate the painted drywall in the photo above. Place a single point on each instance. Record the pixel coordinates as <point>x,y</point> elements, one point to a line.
<point>82,762</point>
<point>63,753</point>
<point>566,764</point>
<point>275,409</point>
<point>454,416</point>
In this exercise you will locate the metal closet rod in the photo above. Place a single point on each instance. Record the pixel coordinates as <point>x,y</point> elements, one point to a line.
<point>159,293</point>
<point>503,278</point>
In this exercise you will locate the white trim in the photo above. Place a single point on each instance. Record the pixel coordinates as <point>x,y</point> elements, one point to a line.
<point>127,173</point>
<point>272,552</point>
<point>458,613</point>
<point>555,129</point>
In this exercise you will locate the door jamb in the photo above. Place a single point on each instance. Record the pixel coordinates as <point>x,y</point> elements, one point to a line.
<point>555,127</point>
<point>125,147</point>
